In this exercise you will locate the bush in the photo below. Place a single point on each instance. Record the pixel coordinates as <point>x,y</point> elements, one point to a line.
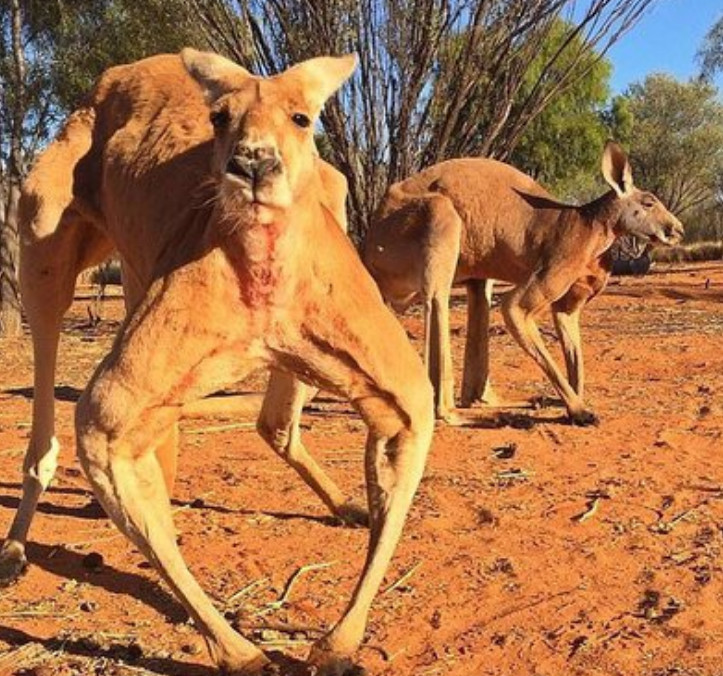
<point>106,273</point>
<point>687,253</point>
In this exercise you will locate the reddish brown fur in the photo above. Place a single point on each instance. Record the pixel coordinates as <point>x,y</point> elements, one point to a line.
<point>468,221</point>
<point>232,260</point>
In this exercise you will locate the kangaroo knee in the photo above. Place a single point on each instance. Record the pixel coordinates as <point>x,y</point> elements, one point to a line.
<point>280,438</point>
<point>41,466</point>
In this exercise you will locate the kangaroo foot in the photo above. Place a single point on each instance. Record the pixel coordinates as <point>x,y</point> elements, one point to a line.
<point>584,418</point>
<point>12,562</point>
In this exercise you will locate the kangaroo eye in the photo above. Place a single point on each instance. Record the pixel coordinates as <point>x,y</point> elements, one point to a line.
<point>301,120</point>
<point>219,118</point>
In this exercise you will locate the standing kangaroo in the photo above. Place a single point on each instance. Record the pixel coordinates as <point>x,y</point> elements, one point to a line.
<point>61,235</point>
<point>474,220</point>
<point>235,261</point>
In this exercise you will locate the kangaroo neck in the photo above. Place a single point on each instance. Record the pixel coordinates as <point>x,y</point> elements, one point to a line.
<point>262,245</point>
<point>603,217</point>
<point>603,213</point>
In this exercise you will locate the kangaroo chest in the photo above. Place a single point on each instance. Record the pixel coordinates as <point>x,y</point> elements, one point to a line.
<point>263,265</point>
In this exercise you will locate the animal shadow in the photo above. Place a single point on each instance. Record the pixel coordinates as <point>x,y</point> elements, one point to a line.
<point>130,653</point>
<point>62,393</point>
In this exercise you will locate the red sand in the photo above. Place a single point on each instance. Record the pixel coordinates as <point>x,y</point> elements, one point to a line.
<point>590,551</point>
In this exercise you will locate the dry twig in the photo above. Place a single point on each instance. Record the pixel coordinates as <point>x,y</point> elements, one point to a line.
<point>284,598</point>
<point>591,510</point>
<point>245,590</point>
<point>404,578</point>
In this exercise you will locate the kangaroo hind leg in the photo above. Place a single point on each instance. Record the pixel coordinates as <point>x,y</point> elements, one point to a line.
<point>521,308</point>
<point>441,254</point>
<point>57,243</point>
<point>476,385</point>
<point>278,425</point>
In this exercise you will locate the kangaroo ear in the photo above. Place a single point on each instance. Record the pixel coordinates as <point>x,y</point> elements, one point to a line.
<point>616,169</point>
<point>322,76</point>
<point>215,74</point>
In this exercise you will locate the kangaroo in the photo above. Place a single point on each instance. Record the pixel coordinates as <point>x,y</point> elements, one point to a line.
<point>58,241</point>
<point>470,221</point>
<point>206,180</point>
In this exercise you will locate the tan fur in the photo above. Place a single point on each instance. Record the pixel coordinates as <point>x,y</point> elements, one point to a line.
<point>233,259</point>
<point>470,221</point>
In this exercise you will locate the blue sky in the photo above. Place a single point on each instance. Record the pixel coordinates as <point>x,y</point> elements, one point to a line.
<point>666,39</point>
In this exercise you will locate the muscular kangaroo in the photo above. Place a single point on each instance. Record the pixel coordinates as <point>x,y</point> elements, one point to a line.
<point>62,234</point>
<point>470,221</point>
<point>235,260</point>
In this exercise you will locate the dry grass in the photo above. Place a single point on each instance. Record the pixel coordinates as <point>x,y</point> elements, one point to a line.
<point>698,251</point>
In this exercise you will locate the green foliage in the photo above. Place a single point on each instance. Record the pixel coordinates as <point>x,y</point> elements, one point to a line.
<point>705,222</point>
<point>561,146</point>
<point>711,54</point>
<point>619,120</point>
<point>676,143</point>
<point>66,45</point>
<point>88,36</point>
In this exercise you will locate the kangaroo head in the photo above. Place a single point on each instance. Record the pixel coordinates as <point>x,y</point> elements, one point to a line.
<point>642,214</point>
<point>264,148</point>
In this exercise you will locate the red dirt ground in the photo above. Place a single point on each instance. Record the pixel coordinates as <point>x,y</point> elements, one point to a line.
<point>589,551</point>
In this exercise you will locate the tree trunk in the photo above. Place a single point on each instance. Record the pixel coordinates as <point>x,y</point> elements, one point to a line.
<point>9,294</point>
<point>10,324</point>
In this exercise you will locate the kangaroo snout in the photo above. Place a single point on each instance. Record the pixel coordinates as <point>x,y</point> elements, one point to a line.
<point>254,163</point>
<point>674,231</point>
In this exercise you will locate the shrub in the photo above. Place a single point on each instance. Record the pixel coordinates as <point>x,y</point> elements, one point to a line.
<point>686,253</point>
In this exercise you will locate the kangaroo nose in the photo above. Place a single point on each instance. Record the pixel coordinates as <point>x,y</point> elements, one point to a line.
<point>675,230</point>
<point>254,163</point>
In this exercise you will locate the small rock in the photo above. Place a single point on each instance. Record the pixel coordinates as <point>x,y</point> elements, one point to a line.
<point>190,649</point>
<point>499,639</point>
<point>485,517</point>
<point>505,452</point>
<point>135,652</point>
<point>93,562</point>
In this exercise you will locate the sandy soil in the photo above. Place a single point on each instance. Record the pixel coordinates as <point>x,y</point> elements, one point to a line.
<point>533,548</point>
